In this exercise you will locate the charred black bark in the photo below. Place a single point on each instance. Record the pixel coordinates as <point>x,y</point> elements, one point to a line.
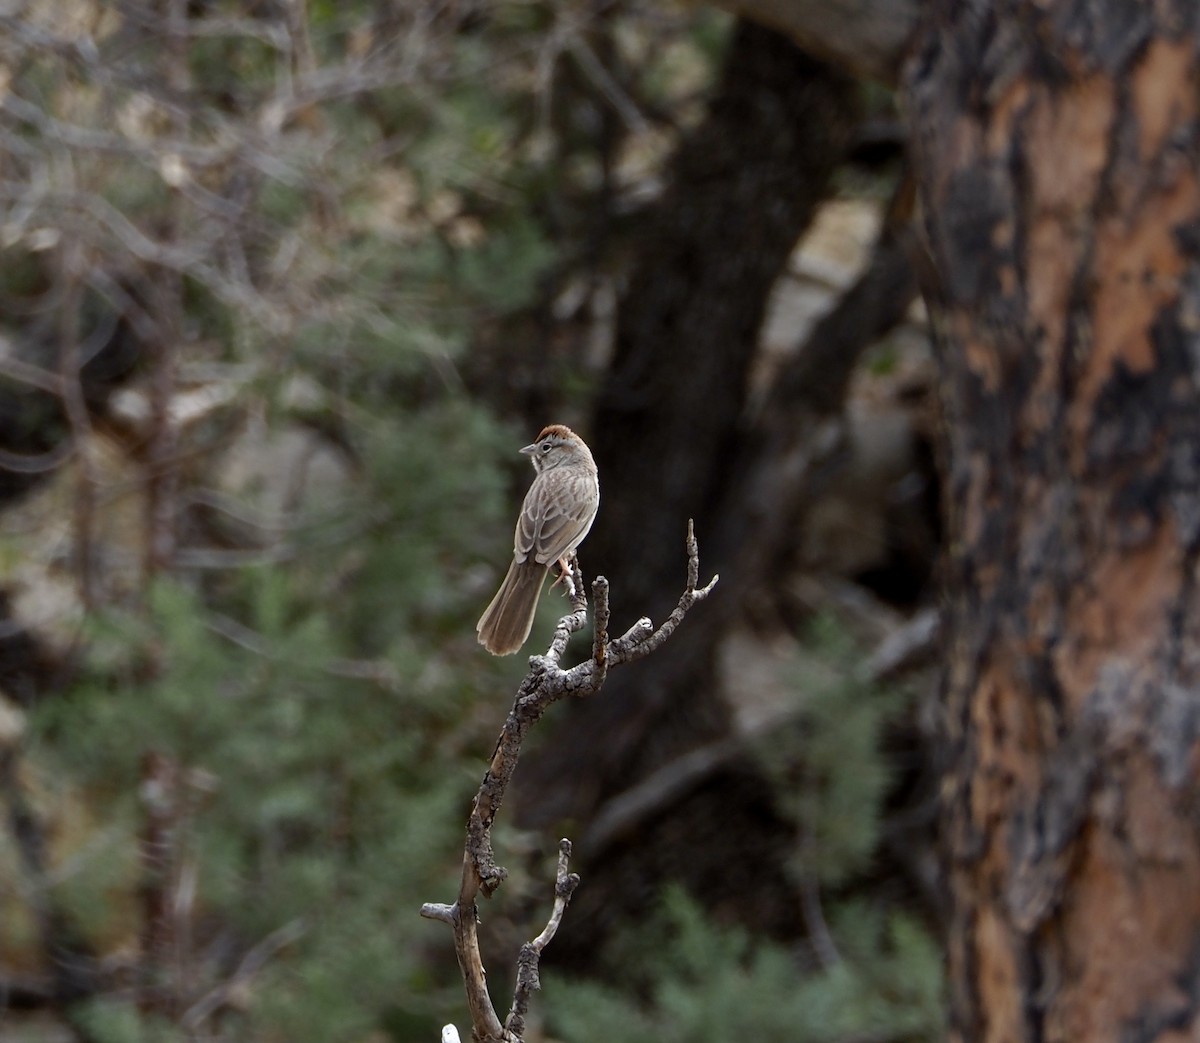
<point>1058,150</point>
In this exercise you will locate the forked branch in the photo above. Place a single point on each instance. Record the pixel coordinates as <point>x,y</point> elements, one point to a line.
<point>544,684</point>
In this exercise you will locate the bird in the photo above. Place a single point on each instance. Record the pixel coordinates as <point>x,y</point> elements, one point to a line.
<point>556,516</point>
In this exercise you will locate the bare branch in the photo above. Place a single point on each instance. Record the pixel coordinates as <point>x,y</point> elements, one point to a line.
<point>438,911</point>
<point>577,619</point>
<point>543,685</point>
<point>600,630</point>
<point>528,977</point>
<point>640,643</point>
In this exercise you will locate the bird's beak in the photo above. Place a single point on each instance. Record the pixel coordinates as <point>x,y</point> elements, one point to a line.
<point>529,450</point>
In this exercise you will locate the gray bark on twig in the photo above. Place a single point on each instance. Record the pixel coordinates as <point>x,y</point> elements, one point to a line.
<point>544,684</point>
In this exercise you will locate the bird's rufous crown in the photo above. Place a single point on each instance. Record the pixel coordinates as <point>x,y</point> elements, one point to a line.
<point>561,430</point>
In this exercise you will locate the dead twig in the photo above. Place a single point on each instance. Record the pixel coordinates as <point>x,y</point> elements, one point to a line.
<point>544,684</point>
<point>528,977</point>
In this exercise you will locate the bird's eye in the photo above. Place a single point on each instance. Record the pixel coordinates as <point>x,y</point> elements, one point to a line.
<point>547,446</point>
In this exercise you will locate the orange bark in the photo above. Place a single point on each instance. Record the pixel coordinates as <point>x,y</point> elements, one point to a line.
<point>1060,162</point>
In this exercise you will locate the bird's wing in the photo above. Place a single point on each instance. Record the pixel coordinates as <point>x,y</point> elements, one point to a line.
<point>556,515</point>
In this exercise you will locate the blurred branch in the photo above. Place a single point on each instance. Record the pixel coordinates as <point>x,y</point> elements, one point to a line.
<point>159,794</point>
<point>37,463</point>
<point>649,796</point>
<point>607,85</point>
<point>232,990</point>
<point>71,270</point>
<point>545,684</point>
<point>34,376</point>
<point>905,646</point>
<point>912,644</point>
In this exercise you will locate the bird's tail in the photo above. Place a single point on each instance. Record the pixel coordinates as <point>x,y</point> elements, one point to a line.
<point>506,622</point>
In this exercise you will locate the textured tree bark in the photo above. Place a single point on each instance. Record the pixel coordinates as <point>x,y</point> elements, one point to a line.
<point>1057,147</point>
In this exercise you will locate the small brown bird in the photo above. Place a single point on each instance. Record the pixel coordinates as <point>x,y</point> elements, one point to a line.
<point>557,513</point>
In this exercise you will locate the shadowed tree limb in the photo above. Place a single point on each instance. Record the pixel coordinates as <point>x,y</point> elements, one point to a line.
<point>863,37</point>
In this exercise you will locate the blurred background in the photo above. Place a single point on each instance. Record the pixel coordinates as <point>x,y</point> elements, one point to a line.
<point>283,288</point>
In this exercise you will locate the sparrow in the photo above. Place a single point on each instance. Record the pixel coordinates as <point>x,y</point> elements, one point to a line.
<point>557,514</point>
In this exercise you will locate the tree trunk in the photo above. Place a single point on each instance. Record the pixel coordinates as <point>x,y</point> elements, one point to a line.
<point>743,187</point>
<point>864,37</point>
<point>1057,150</point>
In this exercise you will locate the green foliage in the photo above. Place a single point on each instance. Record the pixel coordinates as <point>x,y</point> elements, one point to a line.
<point>433,487</point>
<point>319,707</point>
<point>502,273</point>
<point>830,776</point>
<point>111,1021</point>
<point>704,983</point>
<point>709,984</point>
<point>317,797</point>
<point>348,228</point>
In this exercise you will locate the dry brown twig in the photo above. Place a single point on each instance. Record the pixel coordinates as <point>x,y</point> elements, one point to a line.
<point>544,684</point>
